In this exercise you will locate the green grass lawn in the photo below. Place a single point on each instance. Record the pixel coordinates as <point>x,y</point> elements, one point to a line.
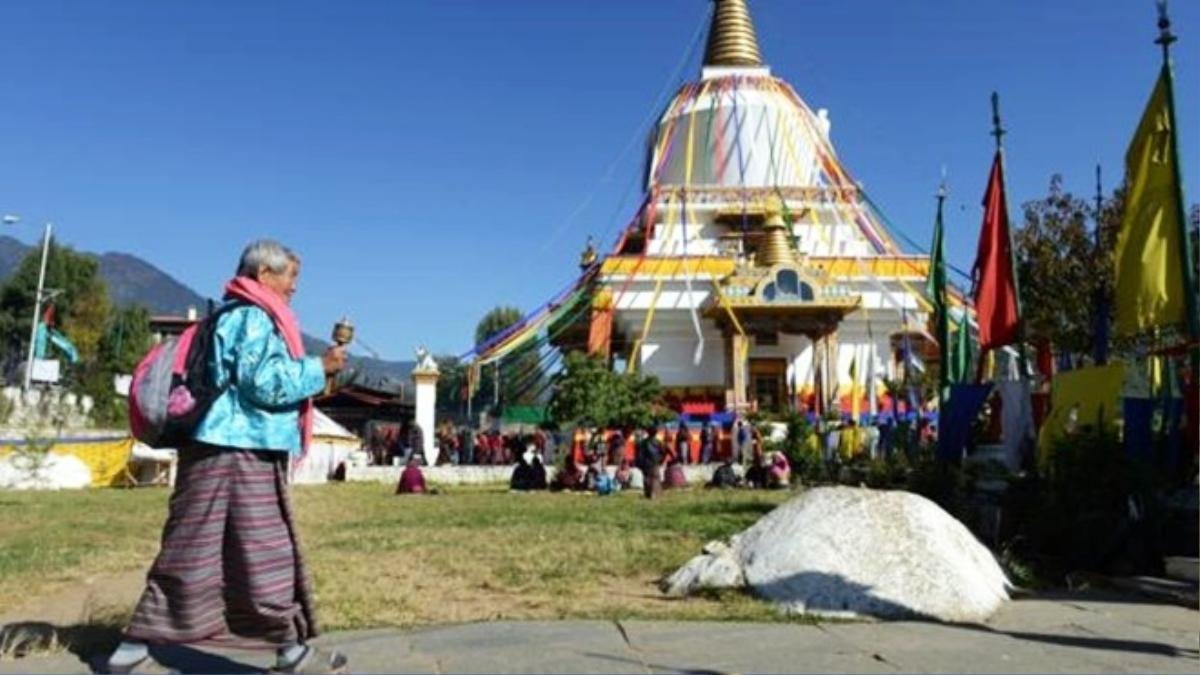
<point>380,560</point>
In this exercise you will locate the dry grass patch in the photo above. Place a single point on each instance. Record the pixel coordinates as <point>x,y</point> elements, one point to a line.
<point>468,554</point>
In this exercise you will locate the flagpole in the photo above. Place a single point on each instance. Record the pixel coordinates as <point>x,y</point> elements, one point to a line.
<point>939,297</point>
<point>998,132</point>
<point>1165,38</point>
<point>1100,327</point>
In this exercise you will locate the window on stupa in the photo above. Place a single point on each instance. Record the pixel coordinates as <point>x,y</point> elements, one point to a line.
<point>787,286</point>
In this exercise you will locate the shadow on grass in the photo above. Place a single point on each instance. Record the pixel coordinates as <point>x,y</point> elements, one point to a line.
<point>94,640</point>
<point>86,640</point>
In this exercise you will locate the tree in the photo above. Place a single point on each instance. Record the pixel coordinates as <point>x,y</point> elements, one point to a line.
<point>1061,268</point>
<point>110,341</point>
<point>496,321</point>
<point>125,340</point>
<point>450,386</point>
<point>588,393</point>
<point>522,376</point>
<point>81,302</point>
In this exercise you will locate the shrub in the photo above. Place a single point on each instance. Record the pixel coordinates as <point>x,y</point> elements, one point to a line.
<point>1094,508</point>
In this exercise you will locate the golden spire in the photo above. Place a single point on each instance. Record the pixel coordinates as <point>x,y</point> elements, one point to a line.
<point>731,39</point>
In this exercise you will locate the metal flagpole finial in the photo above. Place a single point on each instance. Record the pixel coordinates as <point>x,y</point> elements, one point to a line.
<point>1165,37</point>
<point>942,189</point>
<point>997,130</point>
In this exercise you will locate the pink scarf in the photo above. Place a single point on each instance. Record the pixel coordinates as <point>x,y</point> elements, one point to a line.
<point>250,290</point>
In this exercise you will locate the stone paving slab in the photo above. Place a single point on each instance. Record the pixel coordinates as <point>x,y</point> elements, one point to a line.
<point>745,648</point>
<point>1064,632</point>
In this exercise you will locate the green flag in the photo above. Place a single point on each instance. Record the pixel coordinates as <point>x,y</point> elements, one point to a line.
<point>960,356</point>
<point>935,290</point>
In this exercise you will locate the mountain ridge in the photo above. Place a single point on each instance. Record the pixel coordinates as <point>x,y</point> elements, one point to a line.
<point>134,281</point>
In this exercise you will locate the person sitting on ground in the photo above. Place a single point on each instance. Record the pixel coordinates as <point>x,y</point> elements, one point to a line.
<point>537,472</point>
<point>604,483</point>
<point>570,478</point>
<point>590,476</point>
<point>624,474</point>
<point>756,473</point>
<point>412,480</point>
<point>523,475</point>
<point>616,447</point>
<point>675,478</point>
<point>725,477</point>
<point>779,473</point>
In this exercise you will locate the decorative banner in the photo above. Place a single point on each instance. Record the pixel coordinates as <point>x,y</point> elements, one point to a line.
<point>1150,291</point>
<point>600,332</point>
<point>995,282</point>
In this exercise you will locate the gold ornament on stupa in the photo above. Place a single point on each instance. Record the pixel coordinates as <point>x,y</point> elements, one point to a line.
<point>731,39</point>
<point>775,248</point>
<point>588,257</point>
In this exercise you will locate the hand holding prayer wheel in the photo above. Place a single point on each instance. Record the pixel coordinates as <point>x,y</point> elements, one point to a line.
<point>334,359</point>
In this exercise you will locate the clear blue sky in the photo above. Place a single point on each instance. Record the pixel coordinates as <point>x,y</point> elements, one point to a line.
<point>432,159</point>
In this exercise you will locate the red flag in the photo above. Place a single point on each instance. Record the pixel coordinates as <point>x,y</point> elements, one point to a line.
<point>995,282</point>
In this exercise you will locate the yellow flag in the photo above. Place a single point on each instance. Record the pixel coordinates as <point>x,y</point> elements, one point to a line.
<point>855,407</point>
<point>1149,273</point>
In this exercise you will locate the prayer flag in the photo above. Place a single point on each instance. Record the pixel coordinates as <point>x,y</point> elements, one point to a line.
<point>960,355</point>
<point>1150,290</point>
<point>996,303</point>
<point>855,406</point>
<point>935,289</point>
<point>872,395</point>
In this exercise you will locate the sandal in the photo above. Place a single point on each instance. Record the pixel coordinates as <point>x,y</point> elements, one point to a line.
<point>316,660</point>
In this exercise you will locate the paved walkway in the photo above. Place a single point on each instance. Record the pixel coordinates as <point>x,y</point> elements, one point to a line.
<point>1070,632</point>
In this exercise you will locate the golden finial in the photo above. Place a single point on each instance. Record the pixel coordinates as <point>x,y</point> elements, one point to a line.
<point>731,39</point>
<point>588,257</point>
<point>774,248</point>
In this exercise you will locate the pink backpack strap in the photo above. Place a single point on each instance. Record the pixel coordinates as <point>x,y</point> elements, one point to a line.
<point>181,352</point>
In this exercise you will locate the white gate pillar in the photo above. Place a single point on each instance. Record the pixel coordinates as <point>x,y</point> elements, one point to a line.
<point>425,376</point>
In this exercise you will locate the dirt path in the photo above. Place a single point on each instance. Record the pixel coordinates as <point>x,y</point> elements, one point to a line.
<point>82,601</point>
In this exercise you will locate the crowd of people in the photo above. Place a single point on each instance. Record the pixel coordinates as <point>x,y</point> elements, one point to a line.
<point>397,444</point>
<point>650,460</point>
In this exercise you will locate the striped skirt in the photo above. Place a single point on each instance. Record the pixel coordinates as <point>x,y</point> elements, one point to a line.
<point>229,571</point>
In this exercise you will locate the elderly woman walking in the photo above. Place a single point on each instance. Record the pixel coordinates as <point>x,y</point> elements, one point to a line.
<point>230,571</point>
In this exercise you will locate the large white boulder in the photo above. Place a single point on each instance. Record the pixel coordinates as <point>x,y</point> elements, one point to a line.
<point>854,552</point>
<point>51,472</point>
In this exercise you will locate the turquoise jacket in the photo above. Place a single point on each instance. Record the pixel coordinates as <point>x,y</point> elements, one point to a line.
<point>264,386</point>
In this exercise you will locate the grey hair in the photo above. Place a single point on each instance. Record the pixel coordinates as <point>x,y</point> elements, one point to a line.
<point>265,253</point>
